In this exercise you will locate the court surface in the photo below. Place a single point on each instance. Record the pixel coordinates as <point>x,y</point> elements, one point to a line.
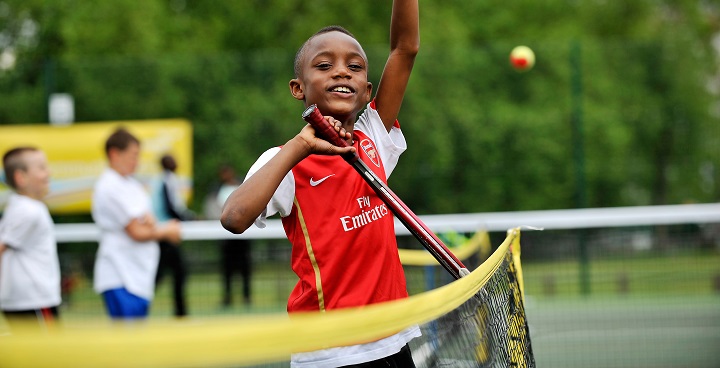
<point>626,332</point>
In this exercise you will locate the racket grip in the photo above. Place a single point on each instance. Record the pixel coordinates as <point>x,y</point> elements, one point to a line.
<point>326,131</point>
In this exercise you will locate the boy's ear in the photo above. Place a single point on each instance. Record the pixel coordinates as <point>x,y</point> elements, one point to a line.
<point>112,154</point>
<point>19,178</point>
<point>296,89</point>
<point>368,92</point>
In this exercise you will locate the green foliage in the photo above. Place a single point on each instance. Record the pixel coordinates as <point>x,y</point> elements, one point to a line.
<point>482,137</point>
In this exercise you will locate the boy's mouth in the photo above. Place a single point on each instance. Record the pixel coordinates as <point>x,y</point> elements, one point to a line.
<point>342,89</point>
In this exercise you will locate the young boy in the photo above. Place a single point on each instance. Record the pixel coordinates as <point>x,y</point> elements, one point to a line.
<point>128,256</point>
<point>29,266</point>
<point>315,191</point>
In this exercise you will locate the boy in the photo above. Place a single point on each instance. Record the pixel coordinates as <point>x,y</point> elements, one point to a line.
<point>313,189</point>
<point>127,259</point>
<point>29,266</point>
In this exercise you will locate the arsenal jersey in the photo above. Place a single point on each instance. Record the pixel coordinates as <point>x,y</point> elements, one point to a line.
<point>344,249</point>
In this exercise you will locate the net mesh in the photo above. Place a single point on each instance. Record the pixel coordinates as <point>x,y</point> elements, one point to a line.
<point>488,330</point>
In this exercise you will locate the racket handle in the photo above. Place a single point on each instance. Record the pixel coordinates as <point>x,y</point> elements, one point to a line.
<point>326,131</point>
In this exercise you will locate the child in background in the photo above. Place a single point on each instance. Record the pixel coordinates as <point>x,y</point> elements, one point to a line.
<point>29,265</point>
<point>236,253</point>
<point>169,204</point>
<point>127,259</point>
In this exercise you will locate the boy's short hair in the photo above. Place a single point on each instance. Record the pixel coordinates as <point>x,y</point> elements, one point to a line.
<point>120,139</point>
<point>13,161</point>
<point>301,51</point>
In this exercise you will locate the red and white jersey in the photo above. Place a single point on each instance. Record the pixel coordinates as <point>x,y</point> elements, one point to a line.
<point>343,236</point>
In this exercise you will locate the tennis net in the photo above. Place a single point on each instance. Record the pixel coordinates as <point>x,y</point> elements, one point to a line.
<point>477,321</point>
<point>488,330</point>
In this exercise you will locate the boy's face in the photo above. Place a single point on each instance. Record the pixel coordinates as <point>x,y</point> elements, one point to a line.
<point>35,181</point>
<point>125,161</point>
<point>334,76</point>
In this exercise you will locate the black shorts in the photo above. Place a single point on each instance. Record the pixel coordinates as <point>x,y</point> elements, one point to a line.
<point>401,359</point>
<point>44,317</point>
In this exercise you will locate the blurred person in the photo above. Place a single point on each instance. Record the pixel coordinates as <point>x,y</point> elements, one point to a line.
<point>340,263</point>
<point>128,256</point>
<point>169,204</point>
<point>30,289</point>
<point>211,208</point>
<point>236,253</point>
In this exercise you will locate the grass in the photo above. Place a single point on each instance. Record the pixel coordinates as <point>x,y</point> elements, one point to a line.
<point>692,273</point>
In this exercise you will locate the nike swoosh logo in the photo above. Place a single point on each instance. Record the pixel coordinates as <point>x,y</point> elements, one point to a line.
<point>314,183</point>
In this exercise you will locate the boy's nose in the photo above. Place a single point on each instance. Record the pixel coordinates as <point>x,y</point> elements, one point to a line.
<point>342,71</point>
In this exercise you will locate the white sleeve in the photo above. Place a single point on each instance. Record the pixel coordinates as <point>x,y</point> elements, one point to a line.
<point>124,210</point>
<point>390,145</point>
<point>116,203</point>
<point>18,225</point>
<point>282,200</point>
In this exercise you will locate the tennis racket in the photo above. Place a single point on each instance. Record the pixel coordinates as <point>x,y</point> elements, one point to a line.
<point>429,240</point>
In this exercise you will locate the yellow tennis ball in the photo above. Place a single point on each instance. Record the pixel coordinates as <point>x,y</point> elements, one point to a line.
<point>522,58</point>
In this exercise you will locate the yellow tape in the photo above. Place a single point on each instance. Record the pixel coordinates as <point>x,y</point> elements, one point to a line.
<point>236,341</point>
<point>480,242</point>
<point>515,248</point>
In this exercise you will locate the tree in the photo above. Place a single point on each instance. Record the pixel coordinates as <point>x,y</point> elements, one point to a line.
<point>483,137</point>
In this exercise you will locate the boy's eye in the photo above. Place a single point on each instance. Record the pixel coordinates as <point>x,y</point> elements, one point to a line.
<point>323,66</point>
<point>355,67</point>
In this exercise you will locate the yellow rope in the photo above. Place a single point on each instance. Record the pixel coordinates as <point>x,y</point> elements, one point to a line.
<point>478,243</point>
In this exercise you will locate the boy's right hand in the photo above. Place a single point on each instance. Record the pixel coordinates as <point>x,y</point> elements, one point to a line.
<point>172,231</point>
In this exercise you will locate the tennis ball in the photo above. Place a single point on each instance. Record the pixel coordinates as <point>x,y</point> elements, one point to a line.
<point>522,58</point>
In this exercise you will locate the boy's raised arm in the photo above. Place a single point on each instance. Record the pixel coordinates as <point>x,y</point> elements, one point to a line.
<point>404,45</point>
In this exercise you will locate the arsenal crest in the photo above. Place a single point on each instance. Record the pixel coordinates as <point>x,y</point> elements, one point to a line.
<point>370,151</point>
